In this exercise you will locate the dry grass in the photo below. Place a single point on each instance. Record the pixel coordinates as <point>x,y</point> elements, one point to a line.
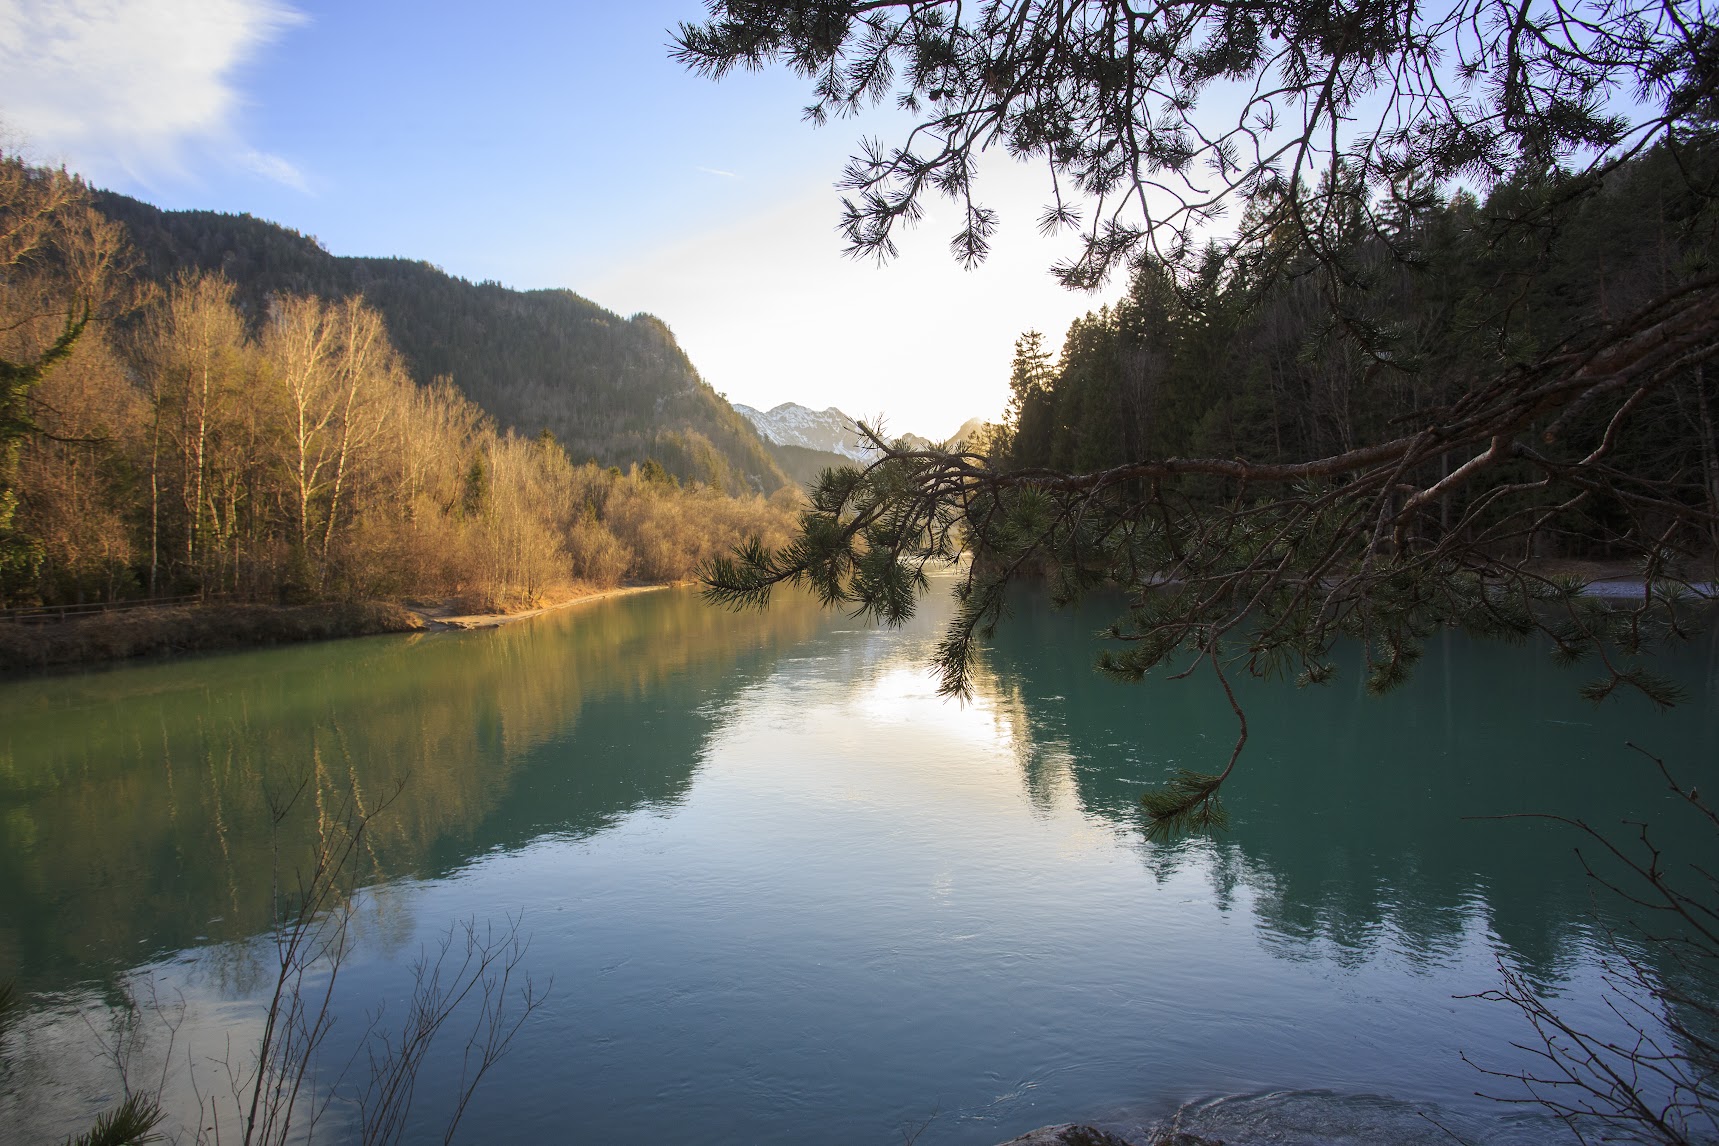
<point>200,628</point>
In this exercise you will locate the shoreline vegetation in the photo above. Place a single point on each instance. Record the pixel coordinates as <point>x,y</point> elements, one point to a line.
<point>171,435</point>
<point>191,629</point>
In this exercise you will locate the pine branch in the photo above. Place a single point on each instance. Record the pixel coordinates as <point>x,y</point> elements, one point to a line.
<point>130,1123</point>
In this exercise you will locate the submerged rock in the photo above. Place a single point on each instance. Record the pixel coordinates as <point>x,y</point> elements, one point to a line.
<point>1069,1134</point>
<point>1074,1134</point>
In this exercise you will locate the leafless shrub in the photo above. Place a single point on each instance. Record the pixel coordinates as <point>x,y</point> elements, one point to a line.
<point>488,962</point>
<point>278,1090</point>
<point>1659,1080</point>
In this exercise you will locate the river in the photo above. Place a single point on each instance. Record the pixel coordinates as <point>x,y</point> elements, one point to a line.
<point>779,891</point>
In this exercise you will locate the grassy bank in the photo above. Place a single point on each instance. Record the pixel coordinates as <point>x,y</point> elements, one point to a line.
<point>192,629</point>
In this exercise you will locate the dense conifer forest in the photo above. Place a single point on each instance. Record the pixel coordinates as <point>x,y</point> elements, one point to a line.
<point>208,404</point>
<point>1250,360</point>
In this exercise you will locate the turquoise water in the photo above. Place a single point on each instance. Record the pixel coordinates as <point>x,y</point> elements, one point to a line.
<point>784,893</point>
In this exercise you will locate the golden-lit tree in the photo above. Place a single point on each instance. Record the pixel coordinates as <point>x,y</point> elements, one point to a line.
<point>61,265</point>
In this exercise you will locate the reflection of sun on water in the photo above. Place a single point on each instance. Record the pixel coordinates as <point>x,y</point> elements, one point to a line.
<point>907,693</point>
<point>980,751</point>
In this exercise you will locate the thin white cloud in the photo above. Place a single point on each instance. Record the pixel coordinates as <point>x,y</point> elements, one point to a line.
<point>127,86</point>
<point>717,171</point>
<point>272,168</point>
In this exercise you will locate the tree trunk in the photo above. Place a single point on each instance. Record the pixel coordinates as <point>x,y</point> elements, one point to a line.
<point>155,497</point>
<point>1709,452</point>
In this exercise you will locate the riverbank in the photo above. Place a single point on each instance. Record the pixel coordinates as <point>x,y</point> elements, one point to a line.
<point>449,614</point>
<point>182,629</point>
<point>1612,580</point>
<point>216,627</point>
<point>223,626</point>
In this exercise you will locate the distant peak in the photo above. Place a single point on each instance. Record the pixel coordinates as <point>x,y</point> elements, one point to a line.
<point>830,430</point>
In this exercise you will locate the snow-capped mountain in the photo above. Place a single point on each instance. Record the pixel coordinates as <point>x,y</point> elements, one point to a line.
<point>830,431</point>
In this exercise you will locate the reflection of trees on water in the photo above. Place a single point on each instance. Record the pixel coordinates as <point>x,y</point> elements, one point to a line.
<point>1350,812</point>
<point>136,804</point>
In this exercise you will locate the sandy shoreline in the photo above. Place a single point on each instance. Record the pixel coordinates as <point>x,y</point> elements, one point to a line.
<point>442,617</point>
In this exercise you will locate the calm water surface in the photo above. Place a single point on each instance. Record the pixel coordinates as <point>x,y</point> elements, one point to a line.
<point>786,894</point>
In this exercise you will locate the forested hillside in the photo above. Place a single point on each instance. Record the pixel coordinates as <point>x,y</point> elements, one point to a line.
<point>806,466</point>
<point>616,390</point>
<point>235,419</point>
<point>1249,361</point>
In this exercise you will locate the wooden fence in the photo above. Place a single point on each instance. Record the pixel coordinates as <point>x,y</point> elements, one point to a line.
<point>54,614</point>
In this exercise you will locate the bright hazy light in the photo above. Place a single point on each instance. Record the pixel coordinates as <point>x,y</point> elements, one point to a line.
<point>770,310</point>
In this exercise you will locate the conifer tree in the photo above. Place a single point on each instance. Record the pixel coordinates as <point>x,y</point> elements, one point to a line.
<point>19,554</point>
<point>54,260</point>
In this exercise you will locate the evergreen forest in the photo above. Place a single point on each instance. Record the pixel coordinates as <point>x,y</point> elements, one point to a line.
<point>1252,359</point>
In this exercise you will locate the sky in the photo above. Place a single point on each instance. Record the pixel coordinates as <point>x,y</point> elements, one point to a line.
<point>545,143</point>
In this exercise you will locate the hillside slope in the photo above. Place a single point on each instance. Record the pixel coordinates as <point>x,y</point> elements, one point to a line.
<point>615,389</point>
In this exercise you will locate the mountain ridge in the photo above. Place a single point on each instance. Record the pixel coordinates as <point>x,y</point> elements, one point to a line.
<point>829,430</point>
<point>806,442</point>
<point>617,390</point>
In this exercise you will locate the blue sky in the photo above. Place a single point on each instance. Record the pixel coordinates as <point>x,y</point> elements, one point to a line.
<point>541,144</point>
